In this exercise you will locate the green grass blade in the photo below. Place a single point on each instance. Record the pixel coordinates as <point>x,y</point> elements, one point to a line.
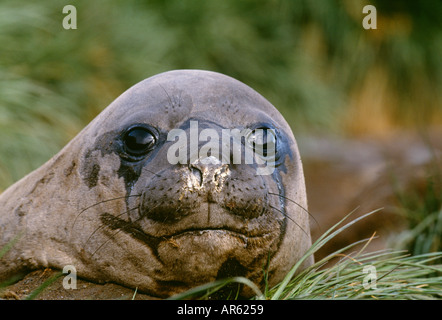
<point>329,234</point>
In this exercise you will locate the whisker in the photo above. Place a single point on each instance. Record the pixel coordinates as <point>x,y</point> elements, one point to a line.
<point>167,94</point>
<point>129,170</point>
<point>103,225</point>
<point>117,198</point>
<point>98,203</point>
<point>287,216</point>
<point>279,195</point>
<point>106,242</point>
<point>111,237</point>
<point>156,174</point>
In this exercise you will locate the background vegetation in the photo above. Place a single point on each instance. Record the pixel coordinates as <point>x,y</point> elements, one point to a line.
<point>311,59</point>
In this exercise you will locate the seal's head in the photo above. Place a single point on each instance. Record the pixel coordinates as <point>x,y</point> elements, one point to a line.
<point>188,177</point>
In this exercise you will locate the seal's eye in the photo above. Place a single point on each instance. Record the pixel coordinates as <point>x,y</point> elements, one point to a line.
<point>263,141</point>
<point>138,141</point>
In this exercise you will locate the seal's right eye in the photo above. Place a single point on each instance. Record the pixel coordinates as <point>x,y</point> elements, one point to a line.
<point>263,141</point>
<point>139,141</point>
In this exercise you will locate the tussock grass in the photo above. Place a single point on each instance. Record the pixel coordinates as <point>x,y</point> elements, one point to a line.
<point>398,276</point>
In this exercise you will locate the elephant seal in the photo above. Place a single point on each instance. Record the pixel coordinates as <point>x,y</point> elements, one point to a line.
<point>121,205</point>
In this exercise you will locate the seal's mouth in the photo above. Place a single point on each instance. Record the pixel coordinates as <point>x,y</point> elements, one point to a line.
<point>198,232</point>
<point>136,231</point>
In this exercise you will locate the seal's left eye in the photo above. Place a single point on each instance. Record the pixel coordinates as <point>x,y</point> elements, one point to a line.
<point>138,141</point>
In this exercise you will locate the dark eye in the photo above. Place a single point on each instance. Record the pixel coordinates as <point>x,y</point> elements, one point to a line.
<point>263,141</point>
<point>139,141</point>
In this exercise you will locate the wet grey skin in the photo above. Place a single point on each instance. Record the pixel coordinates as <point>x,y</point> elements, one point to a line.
<point>112,205</point>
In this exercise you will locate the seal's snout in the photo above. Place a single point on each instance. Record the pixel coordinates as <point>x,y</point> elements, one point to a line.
<point>207,172</point>
<point>206,194</point>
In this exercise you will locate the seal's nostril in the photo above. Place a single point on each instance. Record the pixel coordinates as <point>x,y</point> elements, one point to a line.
<point>208,172</point>
<point>196,172</point>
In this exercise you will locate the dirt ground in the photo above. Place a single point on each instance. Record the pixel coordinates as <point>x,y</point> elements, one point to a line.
<point>55,291</point>
<point>341,175</point>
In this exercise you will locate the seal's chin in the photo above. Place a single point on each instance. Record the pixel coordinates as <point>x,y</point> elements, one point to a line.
<point>200,256</point>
